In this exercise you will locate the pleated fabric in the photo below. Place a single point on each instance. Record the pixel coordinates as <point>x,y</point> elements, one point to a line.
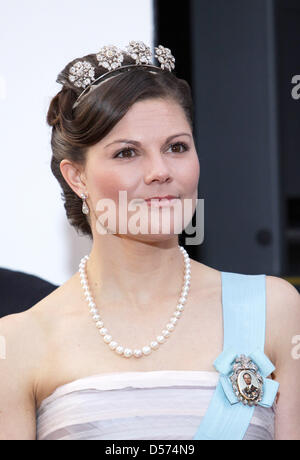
<point>155,405</point>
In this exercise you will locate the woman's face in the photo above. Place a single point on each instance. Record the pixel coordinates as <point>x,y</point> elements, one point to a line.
<point>150,152</point>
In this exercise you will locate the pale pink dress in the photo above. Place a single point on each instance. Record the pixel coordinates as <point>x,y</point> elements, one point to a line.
<point>137,405</point>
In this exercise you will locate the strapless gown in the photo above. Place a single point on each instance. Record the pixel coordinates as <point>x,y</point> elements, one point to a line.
<point>155,405</point>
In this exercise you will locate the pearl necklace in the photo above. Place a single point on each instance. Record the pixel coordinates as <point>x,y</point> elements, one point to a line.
<point>160,339</point>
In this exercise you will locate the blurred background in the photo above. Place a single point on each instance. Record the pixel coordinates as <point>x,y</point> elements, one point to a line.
<point>242,60</point>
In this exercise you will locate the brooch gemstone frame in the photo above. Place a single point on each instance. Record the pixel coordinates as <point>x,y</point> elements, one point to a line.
<point>247,383</point>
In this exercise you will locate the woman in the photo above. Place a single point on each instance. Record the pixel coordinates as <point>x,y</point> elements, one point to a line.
<point>131,131</point>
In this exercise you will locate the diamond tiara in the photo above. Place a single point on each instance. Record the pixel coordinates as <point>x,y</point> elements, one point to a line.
<point>82,73</point>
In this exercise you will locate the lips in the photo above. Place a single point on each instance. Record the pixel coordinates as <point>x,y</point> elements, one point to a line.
<point>167,197</point>
<point>161,201</point>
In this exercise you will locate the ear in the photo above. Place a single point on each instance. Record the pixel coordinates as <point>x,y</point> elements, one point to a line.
<point>74,176</point>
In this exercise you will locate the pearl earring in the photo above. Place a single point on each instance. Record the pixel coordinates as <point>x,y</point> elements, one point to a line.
<point>85,208</point>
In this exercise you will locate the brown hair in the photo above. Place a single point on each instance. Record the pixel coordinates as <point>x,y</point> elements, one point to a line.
<point>75,130</point>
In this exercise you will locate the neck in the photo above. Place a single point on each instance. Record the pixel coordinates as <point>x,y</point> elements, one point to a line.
<point>123,272</point>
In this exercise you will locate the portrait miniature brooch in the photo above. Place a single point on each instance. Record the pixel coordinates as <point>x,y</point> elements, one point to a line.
<point>244,378</point>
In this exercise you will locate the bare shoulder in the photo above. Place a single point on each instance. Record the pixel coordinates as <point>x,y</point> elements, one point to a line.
<point>57,303</point>
<point>20,332</point>
<point>26,334</point>
<point>283,324</point>
<point>24,348</point>
<point>206,277</point>
<point>21,349</point>
<point>281,289</point>
<point>283,316</point>
<point>24,340</point>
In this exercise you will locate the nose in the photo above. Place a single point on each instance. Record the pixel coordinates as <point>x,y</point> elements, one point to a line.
<point>157,170</point>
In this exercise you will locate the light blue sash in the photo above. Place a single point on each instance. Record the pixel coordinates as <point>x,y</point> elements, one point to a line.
<point>244,314</point>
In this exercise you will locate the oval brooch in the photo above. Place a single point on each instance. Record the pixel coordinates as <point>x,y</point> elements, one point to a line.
<point>246,381</point>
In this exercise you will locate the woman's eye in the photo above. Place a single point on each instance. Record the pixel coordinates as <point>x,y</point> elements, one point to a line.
<point>180,144</point>
<point>177,145</point>
<point>123,151</point>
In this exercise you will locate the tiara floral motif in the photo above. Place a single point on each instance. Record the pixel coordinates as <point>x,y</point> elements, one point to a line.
<point>110,57</point>
<point>140,52</point>
<point>82,73</point>
<point>165,58</point>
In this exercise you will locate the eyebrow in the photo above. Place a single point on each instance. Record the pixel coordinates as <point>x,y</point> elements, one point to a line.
<point>130,141</point>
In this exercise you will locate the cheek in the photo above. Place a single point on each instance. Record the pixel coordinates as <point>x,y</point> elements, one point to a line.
<point>190,176</point>
<point>107,184</point>
<point>196,171</point>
